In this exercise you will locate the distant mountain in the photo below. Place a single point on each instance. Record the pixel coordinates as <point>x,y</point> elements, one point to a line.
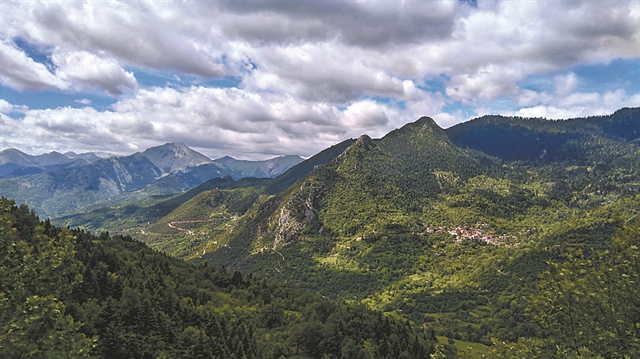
<point>12,155</point>
<point>258,169</point>
<point>55,184</point>
<point>449,228</point>
<point>116,219</point>
<point>51,159</point>
<point>70,189</point>
<point>535,139</point>
<point>14,163</point>
<point>89,156</point>
<point>173,157</point>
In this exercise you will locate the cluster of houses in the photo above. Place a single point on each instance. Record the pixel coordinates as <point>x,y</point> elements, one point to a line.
<point>478,232</point>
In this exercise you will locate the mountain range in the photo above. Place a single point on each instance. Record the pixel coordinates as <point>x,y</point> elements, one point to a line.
<point>14,163</point>
<point>55,184</point>
<point>450,228</point>
<point>501,235</point>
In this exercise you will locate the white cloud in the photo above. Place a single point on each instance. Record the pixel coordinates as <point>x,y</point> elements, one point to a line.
<point>88,70</point>
<point>19,71</point>
<point>365,114</point>
<point>224,121</point>
<point>310,73</point>
<point>504,42</point>
<point>529,98</point>
<point>580,105</point>
<point>566,84</point>
<point>166,35</point>
<point>337,51</point>
<point>84,101</point>
<point>7,108</point>
<point>487,84</point>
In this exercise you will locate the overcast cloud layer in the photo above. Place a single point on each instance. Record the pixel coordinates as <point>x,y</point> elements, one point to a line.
<point>255,79</point>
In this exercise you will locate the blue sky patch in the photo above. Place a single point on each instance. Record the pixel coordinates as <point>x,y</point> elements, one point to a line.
<point>467,111</point>
<point>435,84</point>
<point>36,53</point>
<point>148,78</point>
<point>44,99</point>
<point>618,74</point>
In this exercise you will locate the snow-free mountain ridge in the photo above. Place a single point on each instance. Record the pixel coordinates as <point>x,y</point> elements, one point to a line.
<point>55,184</point>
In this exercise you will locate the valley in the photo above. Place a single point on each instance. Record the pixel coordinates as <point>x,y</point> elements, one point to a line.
<point>431,226</point>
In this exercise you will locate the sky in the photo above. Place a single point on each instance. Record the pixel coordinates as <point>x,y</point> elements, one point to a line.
<point>257,79</point>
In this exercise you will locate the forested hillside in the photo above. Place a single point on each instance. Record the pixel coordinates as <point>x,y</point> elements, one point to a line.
<point>424,225</point>
<point>131,216</point>
<point>597,138</point>
<point>68,293</point>
<point>495,248</point>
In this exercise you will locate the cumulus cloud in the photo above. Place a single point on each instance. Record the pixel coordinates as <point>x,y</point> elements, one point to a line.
<point>21,72</point>
<point>219,121</point>
<point>366,24</point>
<point>566,84</point>
<point>338,51</point>
<point>580,105</point>
<point>7,108</point>
<point>328,73</point>
<point>307,74</point>
<point>86,69</point>
<point>504,42</point>
<point>150,34</point>
<point>84,101</point>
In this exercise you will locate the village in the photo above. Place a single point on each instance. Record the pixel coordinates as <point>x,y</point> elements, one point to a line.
<point>479,232</point>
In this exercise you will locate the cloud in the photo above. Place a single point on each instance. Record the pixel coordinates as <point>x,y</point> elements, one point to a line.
<point>365,114</point>
<point>566,84</point>
<point>337,51</point>
<point>219,121</point>
<point>345,74</point>
<point>7,108</point>
<point>503,42</point>
<point>147,34</point>
<point>20,71</point>
<point>88,70</point>
<point>84,101</point>
<point>307,73</point>
<point>364,24</point>
<point>71,70</point>
<point>580,105</point>
<point>529,98</point>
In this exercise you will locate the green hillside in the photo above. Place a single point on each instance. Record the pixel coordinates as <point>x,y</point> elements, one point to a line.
<point>534,139</point>
<point>133,218</point>
<point>415,225</point>
<point>457,230</point>
<point>67,293</point>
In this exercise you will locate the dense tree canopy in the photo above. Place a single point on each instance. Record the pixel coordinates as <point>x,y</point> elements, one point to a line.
<point>68,293</point>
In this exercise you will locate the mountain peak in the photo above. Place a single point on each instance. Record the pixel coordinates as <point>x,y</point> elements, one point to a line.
<point>424,130</point>
<point>363,139</point>
<point>174,156</point>
<point>225,159</point>
<point>13,155</point>
<point>425,120</point>
<point>170,146</point>
<point>13,151</point>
